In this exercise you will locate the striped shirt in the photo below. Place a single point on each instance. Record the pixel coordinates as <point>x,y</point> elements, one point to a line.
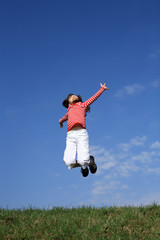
<point>77,111</point>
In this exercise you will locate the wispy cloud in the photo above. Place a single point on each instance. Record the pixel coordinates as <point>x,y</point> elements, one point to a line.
<point>106,158</point>
<point>155,55</point>
<point>100,188</point>
<point>155,145</point>
<point>126,160</point>
<point>154,170</point>
<point>116,168</point>
<point>155,83</point>
<point>137,141</point>
<point>131,90</point>
<point>134,89</point>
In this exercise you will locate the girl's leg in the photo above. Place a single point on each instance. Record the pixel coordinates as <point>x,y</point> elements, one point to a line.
<point>83,155</point>
<point>70,151</point>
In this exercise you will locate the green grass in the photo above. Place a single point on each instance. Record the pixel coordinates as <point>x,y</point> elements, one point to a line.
<point>114,223</point>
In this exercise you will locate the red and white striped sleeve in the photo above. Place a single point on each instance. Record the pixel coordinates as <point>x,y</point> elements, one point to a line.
<point>63,119</point>
<point>94,97</point>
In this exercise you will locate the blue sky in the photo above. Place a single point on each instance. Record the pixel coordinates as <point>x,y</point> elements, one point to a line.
<point>51,48</point>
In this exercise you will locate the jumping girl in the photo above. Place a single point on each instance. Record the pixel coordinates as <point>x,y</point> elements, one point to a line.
<point>77,141</point>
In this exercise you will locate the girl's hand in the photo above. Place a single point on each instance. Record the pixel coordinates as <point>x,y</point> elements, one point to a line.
<point>61,125</point>
<point>104,86</point>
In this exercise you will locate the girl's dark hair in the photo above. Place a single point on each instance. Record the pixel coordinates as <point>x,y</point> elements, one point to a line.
<point>65,103</point>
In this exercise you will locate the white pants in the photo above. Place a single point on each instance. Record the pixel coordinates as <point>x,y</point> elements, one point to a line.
<point>77,143</point>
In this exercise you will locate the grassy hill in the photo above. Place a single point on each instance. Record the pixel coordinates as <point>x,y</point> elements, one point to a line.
<point>114,223</point>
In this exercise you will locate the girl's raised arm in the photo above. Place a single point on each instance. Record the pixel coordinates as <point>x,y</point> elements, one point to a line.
<point>94,97</point>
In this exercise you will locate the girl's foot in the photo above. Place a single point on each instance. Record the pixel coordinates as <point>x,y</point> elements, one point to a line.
<point>92,165</point>
<point>85,172</point>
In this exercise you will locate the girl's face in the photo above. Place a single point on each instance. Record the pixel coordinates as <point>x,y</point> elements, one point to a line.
<point>72,99</point>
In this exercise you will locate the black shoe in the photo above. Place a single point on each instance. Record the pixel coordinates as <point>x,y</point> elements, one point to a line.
<point>85,172</point>
<point>92,166</point>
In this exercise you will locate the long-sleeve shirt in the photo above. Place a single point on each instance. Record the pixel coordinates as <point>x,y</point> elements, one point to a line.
<point>77,111</point>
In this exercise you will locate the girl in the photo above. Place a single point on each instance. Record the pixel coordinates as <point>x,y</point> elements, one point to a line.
<point>77,140</point>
